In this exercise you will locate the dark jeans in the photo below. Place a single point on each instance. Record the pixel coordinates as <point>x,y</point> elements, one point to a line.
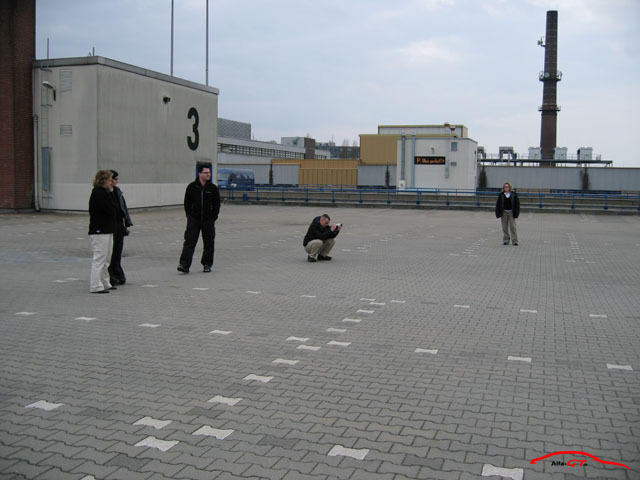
<point>194,227</point>
<point>115,267</point>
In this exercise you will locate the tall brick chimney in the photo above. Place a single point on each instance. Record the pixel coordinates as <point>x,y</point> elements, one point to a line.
<point>549,78</point>
<point>17,51</point>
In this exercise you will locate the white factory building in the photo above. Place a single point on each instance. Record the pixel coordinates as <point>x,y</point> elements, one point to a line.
<point>94,113</point>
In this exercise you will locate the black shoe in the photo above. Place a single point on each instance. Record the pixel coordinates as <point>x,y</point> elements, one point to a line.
<point>112,288</point>
<point>515,244</point>
<point>102,291</point>
<point>311,259</point>
<point>183,269</point>
<point>505,243</point>
<point>207,268</point>
<point>325,258</point>
<point>115,281</point>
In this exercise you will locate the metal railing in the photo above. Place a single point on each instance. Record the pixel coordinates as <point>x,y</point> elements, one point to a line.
<point>434,198</point>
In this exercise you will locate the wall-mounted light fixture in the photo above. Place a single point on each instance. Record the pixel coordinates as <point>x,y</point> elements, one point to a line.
<point>49,86</point>
<point>166,99</point>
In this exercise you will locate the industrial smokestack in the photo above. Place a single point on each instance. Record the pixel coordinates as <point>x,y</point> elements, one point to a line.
<point>549,78</point>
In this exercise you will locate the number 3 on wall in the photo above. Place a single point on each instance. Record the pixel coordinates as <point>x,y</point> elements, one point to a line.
<point>193,144</point>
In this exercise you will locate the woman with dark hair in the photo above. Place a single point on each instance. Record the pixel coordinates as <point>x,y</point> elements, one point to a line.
<point>507,210</point>
<point>123,222</point>
<point>102,225</point>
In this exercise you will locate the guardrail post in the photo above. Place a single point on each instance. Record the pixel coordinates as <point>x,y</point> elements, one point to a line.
<point>245,197</point>
<point>306,195</point>
<point>418,199</point>
<point>388,197</point>
<point>360,201</point>
<point>540,202</point>
<point>477,199</point>
<point>257,195</point>
<point>230,194</point>
<point>283,194</point>
<point>447,199</point>
<point>606,202</point>
<point>573,201</point>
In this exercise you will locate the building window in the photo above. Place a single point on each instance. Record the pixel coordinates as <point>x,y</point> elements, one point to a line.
<point>454,146</point>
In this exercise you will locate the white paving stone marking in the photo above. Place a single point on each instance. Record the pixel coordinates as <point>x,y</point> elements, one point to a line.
<point>307,296</point>
<point>425,350</point>
<point>512,473</point>
<point>86,319</point>
<point>44,405</point>
<point>340,451</point>
<point>308,347</point>
<point>398,301</point>
<point>152,422</point>
<point>225,400</point>
<point>461,306</point>
<point>352,320</point>
<point>454,254</point>
<point>597,315</point>
<point>346,249</point>
<point>149,286</point>
<point>519,359</point>
<point>611,366</point>
<point>59,281</point>
<point>365,311</point>
<point>88,477</point>
<point>220,332</point>
<point>377,303</point>
<point>153,442</point>
<point>254,292</point>
<point>285,362</point>
<point>149,325</point>
<point>201,288</point>
<point>336,330</point>
<point>213,432</point>
<point>260,378</point>
<point>26,314</point>
<point>71,279</point>
<point>297,339</point>
<point>340,344</point>
<point>524,310</point>
<point>367,299</point>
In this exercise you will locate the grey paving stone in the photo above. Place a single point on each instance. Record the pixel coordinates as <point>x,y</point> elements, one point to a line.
<point>467,400</point>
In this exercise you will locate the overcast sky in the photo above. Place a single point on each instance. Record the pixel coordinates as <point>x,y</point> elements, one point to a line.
<point>334,69</point>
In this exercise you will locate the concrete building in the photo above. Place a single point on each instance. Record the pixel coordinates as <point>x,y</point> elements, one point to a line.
<point>423,156</point>
<point>94,113</point>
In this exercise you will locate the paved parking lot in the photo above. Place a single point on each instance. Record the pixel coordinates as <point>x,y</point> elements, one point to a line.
<point>424,350</point>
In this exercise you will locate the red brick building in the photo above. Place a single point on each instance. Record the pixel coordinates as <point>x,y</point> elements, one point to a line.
<point>17,51</point>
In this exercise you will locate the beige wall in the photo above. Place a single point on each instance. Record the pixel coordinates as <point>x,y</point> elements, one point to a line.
<point>118,120</point>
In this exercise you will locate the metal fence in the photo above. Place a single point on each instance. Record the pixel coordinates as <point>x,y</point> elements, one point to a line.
<point>468,199</point>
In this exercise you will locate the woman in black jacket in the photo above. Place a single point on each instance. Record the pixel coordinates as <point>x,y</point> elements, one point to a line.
<point>102,225</point>
<point>508,209</point>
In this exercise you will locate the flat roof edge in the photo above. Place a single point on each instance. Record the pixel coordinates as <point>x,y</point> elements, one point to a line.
<point>97,60</point>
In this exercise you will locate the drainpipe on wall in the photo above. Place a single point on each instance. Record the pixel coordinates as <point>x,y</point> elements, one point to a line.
<point>402,159</point>
<point>413,160</point>
<point>36,157</point>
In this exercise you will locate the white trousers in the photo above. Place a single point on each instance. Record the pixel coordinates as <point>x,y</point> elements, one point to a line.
<point>101,244</point>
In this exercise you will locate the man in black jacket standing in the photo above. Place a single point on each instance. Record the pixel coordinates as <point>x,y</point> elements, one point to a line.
<point>320,238</point>
<point>202,205</point>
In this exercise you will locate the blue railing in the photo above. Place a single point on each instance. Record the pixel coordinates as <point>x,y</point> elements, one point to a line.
<point>345,195</point>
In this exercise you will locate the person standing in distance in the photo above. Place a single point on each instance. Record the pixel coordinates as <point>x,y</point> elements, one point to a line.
<point>102,225</point>
<point>123,222</point>
<point>508,209</point>
<point>202,205</point>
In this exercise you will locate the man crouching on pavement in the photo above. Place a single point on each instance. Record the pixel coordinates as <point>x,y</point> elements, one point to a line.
<point>320,238</point>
